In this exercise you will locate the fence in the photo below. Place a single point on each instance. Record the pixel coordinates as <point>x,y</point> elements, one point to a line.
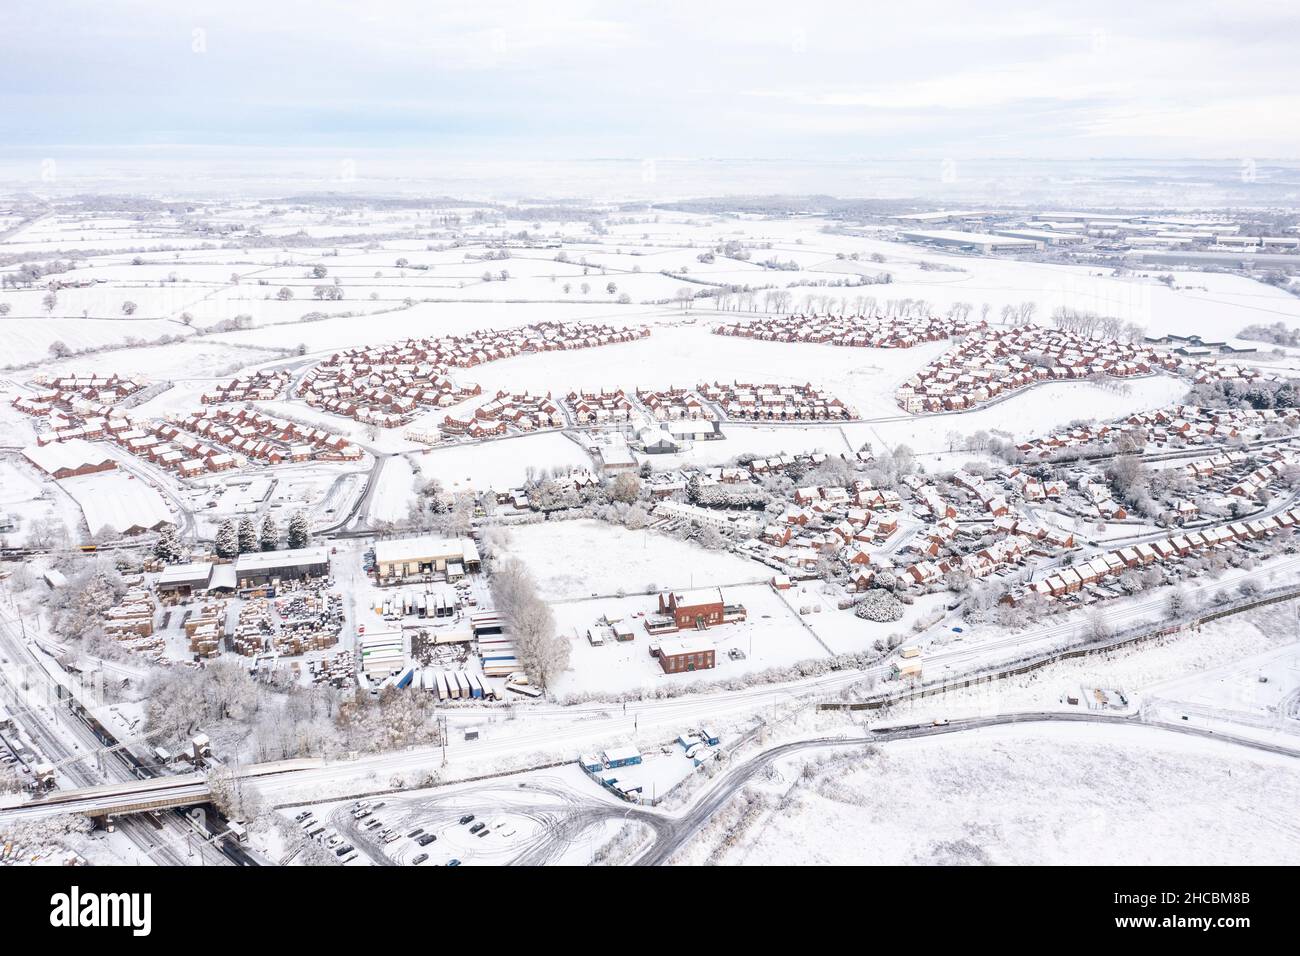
<point>1024,666</point>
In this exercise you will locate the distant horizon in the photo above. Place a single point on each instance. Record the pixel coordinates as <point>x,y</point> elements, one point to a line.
<point>265,172</point>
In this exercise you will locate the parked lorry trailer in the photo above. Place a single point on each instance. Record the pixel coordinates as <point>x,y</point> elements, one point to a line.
<point>501,668</point>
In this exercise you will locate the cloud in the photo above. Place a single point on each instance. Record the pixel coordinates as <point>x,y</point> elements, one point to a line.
<point>732,77</point>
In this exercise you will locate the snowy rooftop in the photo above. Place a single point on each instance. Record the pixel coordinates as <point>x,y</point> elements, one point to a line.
<point>424,547</point>
<point>73,453</point>
<point>185,573</point>
<point>672,647</point>
<point>280,559</point>
<point>116,500</point>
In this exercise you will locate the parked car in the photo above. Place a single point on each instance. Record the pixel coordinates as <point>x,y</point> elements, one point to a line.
<point>419,859</point>
<point>453,862</point>
<point>426,839</point>
<point>415,833</point>
<point>477,827</point>
<point>467,818</point>
<point>344,849</point>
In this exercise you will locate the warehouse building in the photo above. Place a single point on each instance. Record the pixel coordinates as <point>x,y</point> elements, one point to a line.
<point>944,215</point>
<point>68,459</point>
<point>118,501</point>
<point>1046,236</point>
<point>420,558</point>
<point>183,580</point>
<point>973,241</point>
<point>263,567</point>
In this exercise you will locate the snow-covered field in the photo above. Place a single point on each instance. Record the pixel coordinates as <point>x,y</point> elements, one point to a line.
<point>1039,794</point>
<point>499,464</point>
<point>572,560</point>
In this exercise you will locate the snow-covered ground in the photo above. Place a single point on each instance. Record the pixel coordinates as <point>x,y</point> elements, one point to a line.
<point>500,464</point>
<point>770,636</point>
<point>578,559</point>
<point>1059,794</point>
<point>519,813</point>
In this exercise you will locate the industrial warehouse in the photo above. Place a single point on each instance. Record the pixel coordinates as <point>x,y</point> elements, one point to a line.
<point>399,560</point>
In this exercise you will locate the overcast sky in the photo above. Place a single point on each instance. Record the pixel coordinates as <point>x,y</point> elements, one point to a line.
<point>571,78</point>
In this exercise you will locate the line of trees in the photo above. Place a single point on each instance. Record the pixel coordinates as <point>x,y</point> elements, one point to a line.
<point>542,653</point>
<point>244,538</point>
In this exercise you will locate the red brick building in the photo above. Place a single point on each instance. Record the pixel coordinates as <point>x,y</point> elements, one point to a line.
<point>693,608</point>
<point>685,610</point>
<point>69,459</point>
<point>686,654</point>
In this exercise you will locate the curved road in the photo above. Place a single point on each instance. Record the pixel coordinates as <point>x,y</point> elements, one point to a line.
<point>684,828</point>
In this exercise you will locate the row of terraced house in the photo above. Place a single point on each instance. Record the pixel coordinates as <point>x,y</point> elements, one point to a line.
<point>1095,570</point>
<point>996,362</point>
<point>743,401</point>
<point>854,331</point>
